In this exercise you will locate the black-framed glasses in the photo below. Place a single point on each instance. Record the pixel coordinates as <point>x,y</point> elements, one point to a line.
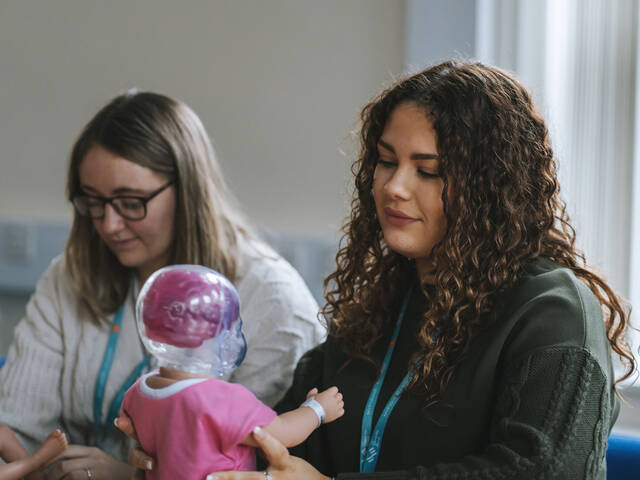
<point>131,207</point>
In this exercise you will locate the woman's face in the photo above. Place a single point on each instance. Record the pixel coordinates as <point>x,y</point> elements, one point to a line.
<point>143,244</point>
<point>407,189</point>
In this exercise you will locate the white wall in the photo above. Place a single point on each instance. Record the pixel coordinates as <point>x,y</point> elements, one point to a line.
<point>438,30</point>
<point>277,83</point>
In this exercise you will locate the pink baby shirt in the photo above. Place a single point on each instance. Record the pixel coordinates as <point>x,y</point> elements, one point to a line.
<point>194,427</point>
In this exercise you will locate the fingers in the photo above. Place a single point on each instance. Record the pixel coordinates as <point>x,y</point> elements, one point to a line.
<point>74,451</point>
<point>38,475</point>
<point>340,401</point>
<point>138,475</point>
<point>312,392</point>
<point>332,402</point>
<point>274,452</point>
<point>281,464</point>
<point>81,462</point>
<point>68,469</point>
<point>236,476</point>
<point>125,424</point>
<point>139,459</point>
<point>331,392</point>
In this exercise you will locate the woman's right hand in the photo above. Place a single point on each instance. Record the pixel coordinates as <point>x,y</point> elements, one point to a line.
<point>138,458</point>
<point>282,466</point>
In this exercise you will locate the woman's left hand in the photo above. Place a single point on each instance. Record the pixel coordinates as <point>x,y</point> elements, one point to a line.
<point>79,462</point>
<point>282,466</point>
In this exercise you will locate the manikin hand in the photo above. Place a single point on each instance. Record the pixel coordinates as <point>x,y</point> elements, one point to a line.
<point>332,402</point>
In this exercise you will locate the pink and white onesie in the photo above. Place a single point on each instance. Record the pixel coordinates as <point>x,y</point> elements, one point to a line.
<point>194,427</point>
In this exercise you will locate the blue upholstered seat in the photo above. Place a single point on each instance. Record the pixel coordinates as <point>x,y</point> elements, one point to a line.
<point>623,457</point>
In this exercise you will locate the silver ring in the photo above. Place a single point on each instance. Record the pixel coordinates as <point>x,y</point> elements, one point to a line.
<point>89,472</point>
<point>267,475</point>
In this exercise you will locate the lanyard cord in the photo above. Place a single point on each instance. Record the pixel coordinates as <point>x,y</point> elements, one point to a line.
<point>102,430</point>
<point>370,443</point>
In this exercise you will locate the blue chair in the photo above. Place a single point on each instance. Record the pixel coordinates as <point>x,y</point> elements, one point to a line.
<point>2,360</point>
<point>623,457</point>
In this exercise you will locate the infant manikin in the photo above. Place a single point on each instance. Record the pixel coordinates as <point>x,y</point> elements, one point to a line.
<point>185,414</point>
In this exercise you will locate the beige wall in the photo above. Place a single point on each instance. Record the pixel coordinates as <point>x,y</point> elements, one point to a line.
<point>277,83</point>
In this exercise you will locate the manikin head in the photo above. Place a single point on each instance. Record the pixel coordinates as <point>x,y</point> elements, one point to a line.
<point>188,317</point>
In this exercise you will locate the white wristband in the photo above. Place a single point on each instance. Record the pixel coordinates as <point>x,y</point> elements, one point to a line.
<point>315,405</point>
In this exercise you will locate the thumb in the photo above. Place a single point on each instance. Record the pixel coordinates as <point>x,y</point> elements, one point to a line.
<point>125,424</point>
<point>312,392</point>
<point>139,459</point>
<point>275,452</point>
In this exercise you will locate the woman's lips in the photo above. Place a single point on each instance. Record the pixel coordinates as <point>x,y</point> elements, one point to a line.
<point>398,218</point>
<point>118,244</point>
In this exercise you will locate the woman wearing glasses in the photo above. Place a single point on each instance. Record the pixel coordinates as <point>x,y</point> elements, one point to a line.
<point>147,192</point>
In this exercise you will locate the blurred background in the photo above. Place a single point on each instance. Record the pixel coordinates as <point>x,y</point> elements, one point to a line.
<point>279,85</point>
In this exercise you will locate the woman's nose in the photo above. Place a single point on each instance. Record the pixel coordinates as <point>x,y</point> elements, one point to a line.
<point>112,221</point>
<point>399,184</point>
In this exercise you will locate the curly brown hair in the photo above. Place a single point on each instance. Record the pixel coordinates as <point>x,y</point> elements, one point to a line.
<point>503,210</point>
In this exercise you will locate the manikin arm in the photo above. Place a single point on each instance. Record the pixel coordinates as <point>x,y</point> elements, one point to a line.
<point>293,427</point>
<point>20,462</point>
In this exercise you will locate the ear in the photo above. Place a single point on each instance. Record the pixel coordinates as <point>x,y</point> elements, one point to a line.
<point>232,348</point>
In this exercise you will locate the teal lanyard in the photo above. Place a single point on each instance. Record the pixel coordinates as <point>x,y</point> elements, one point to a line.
<point>370,443</point>
<point>102,430</point>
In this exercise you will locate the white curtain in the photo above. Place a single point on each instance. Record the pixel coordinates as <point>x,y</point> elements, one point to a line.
<point>579,58</point>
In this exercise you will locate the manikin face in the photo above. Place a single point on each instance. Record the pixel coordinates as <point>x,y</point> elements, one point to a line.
<point>143,244</point>
<point>407,189</point>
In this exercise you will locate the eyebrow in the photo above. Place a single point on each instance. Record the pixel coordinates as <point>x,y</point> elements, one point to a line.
<point>118,191</point>
<point>414,156</point>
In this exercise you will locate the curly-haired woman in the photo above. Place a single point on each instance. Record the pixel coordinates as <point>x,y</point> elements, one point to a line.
<point>467,334</point>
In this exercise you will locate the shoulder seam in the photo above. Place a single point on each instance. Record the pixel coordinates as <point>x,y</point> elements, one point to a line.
<point>582,310</point>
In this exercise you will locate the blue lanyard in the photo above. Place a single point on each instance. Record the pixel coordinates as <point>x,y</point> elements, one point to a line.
<point>101,383</point>
<point>370,443</point>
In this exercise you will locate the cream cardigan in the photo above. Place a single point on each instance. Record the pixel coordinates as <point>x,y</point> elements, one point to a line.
<point>52,364</point>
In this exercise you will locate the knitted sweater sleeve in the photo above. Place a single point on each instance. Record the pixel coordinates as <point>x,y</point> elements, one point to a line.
<point>279,323</point>
<point>550,421</point>
<point>29,382</point>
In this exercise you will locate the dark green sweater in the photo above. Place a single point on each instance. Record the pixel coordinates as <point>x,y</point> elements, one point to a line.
<point>532,399</point>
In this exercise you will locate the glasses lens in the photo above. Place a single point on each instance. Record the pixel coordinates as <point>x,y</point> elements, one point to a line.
<point>130,207</point>
<point>89,206</point>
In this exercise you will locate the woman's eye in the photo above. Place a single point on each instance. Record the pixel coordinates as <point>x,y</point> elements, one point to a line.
<point>130,204</point>
<point>386,163</point>
<point>425,174</point>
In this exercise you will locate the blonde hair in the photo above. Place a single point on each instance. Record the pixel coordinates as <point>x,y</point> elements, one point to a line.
<point>166,136</point>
